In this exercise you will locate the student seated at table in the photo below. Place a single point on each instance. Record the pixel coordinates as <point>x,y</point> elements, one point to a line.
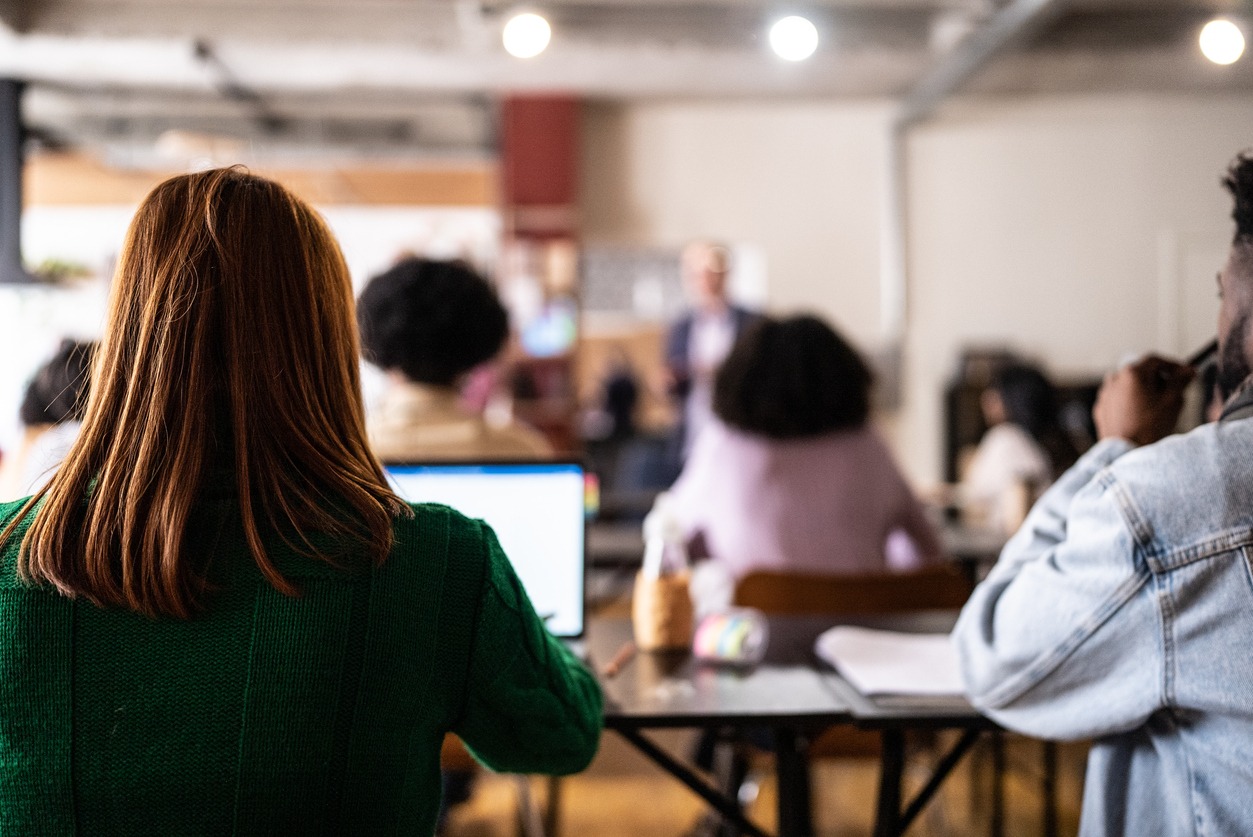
<point>789,476</point>
<point>217,618</point>
<point>50,414</point>
<point>1022,451</point>
<point>428,324</point>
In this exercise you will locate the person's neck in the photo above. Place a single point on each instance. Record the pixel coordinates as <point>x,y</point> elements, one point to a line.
<point>400,380</point>
<point>715,307</point>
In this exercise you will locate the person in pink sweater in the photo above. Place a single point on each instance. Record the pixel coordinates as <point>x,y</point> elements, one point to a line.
<point>789,476</point>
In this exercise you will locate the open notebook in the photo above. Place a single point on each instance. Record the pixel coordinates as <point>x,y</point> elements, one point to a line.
<point>889,663</point>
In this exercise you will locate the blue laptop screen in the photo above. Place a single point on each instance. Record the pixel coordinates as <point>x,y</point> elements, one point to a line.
<point>537,512</point>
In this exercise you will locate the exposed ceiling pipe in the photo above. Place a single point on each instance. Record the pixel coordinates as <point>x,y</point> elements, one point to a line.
<point>1007,27</point>
<point>235,90</point>
<point>11,139</point>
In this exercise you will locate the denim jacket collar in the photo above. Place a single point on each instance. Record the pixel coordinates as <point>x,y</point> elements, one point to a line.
<point>1240,405</point>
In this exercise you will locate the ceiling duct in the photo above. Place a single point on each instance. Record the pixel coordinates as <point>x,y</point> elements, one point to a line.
<point>232,88</point>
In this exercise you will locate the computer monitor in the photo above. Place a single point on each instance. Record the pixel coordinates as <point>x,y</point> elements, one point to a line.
<point>537,512</point>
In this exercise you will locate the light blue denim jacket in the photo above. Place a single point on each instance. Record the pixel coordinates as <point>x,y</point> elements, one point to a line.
<point>1123,611</point>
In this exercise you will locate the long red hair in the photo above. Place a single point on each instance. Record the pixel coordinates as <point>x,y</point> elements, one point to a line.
<point>231,348</point>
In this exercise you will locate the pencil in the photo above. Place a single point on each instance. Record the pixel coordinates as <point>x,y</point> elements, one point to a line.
<point>620,659</point>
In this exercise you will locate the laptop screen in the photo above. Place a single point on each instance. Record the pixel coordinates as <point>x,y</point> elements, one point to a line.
<point>537,512</point>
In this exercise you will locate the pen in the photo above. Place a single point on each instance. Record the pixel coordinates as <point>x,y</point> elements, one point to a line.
<point>620,659</point>
<point>1194,361</point>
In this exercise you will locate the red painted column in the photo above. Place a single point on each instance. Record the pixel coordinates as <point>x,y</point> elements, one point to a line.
<point>539,165</point>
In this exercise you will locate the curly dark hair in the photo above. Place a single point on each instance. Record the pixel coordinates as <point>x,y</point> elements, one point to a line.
<point>1239,181</point>
<point>58,392</point>
<point>431,320</point>
<point>791,378</point>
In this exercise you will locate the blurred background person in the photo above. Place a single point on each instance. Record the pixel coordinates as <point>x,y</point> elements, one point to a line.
<point>608,426</point>
<point>428,324</point>
<point>51,412</point>
<point>788,475</point>
<point>1021,453</point>
<point>698,343</point>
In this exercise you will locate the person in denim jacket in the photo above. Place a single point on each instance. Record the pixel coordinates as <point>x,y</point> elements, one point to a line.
<point>1122,610</point>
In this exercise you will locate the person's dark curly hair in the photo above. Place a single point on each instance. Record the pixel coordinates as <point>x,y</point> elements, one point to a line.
<point>430,320</point>
<point>1239,181</point>
<point>58,392</point>
<point>792,378</point>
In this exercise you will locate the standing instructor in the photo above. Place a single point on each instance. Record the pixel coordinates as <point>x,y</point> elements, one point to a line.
<point>701,339</point>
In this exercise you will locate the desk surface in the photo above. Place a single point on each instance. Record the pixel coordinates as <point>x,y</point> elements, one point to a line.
<point>660,689</point>
<point>790,686</point>
<point>973,544</point>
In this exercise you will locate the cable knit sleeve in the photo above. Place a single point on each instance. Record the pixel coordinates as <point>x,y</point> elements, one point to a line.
<point>530,706</point>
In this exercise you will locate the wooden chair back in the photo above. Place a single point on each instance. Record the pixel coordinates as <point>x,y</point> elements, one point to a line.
<point>792,594</point>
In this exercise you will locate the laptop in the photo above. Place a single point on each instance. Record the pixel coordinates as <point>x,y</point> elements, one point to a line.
<point>538,511</point>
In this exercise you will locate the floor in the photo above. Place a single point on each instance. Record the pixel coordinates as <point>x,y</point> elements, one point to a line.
<point>624,795</point>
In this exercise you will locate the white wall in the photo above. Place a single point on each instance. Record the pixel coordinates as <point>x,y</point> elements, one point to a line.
<point>1075,229</point>
<point>1079,230</point>
<point>796,181</point>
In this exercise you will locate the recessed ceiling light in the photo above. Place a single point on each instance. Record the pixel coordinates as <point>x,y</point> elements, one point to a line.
<point>1222,41</point>
<point>526,35</point>
<point>794,38</point>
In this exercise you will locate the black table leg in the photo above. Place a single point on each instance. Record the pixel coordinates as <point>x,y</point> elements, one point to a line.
<point>730,768</point>
<point>997,825</point>
<point>891,768</point>
<point>1048,788</point>
<point>942,769</point>
<point>728,808</point>
<point>552,813</point>
<point>792,766</point>
<point>891,820</point>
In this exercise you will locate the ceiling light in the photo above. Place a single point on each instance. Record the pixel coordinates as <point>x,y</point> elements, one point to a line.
<point>794,38</point>
<point>1222,41</point>
<point>526,35</point>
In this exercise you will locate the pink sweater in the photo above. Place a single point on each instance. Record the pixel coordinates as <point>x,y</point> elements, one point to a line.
<point>823,505</point>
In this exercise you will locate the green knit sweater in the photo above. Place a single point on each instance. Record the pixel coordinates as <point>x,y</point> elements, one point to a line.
<point>321,714</point>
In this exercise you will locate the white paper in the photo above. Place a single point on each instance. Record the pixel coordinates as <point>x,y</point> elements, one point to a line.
<point>892,663</point>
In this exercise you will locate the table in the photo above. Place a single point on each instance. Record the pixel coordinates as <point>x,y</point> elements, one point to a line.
<point>671,689</point>
<point>793,695</point>
<point>892,717</point>
<point>974,549</point>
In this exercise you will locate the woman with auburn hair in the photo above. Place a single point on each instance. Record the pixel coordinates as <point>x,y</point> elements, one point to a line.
<point>216,618</point>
